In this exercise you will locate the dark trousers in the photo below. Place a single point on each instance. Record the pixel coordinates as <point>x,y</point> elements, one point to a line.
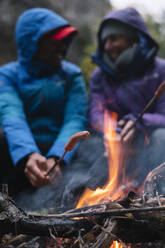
<point>142,156</point>
<point>9,173</point>
<point>75,177</point>
<point>89,168</point>
<point>148,155</point>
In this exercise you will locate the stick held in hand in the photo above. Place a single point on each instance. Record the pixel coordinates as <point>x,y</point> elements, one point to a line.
<point>160,91</point>
<point>74,139</point>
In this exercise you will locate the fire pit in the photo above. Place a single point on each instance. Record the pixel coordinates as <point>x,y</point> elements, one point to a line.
<point>103,225</point>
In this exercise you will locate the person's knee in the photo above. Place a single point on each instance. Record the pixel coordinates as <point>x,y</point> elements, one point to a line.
<point>158,136</point>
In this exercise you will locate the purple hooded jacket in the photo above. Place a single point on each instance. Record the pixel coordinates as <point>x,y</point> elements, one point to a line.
<point>129,95</point>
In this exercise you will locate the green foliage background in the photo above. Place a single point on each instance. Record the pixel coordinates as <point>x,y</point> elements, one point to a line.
<point>157,29</point>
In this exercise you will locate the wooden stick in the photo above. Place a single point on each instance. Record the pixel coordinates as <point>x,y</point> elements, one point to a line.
<point>74,139</point>
<point>158,93</point>
<point>106,213</point>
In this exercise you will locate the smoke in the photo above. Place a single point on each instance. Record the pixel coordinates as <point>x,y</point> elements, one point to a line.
<point>89,169</point>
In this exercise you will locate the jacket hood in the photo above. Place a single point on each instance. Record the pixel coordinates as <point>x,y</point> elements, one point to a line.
<point>131,17</point>
<point>31,25</point>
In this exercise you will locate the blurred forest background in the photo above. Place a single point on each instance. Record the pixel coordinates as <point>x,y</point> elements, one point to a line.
<point>85,15</point>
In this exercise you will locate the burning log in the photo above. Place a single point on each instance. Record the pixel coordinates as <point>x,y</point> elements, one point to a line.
<point>14,220</point>
<point>103,239</point>
<point>93,226</point>
<point>154,183</point>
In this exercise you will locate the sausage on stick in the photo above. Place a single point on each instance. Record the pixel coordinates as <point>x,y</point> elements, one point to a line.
<point>74,139</point>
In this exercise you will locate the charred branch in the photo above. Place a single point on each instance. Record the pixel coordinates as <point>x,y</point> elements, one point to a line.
<point>94,226</point>
<point>14,220</point>
<point>105,213</point>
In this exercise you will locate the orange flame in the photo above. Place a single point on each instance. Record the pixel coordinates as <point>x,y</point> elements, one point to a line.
<point>60,242</point>
<point>112,190</point>
<point>116,244</point>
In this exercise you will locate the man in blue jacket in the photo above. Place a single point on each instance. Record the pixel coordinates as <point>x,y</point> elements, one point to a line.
<point>42,98</point>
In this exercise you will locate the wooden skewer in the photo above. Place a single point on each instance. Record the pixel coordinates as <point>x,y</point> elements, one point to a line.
<point>74,139</point>
<point>158,93</point>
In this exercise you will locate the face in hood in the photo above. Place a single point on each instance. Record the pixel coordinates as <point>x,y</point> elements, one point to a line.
<point>31,25</point>
<point>131,17</point>
<point>139,54</point>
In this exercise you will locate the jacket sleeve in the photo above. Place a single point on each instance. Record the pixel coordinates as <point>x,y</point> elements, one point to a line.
<point>157,118</point>
<point>74,116</point>
<point>96,104</point>
<point>153,118</point>
<point>13,121</point>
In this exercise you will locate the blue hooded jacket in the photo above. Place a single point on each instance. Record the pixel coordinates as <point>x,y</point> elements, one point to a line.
<point>38,104</point>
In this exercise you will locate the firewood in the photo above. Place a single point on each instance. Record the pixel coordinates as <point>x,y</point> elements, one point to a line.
<point>93,226</point>
<point>99,236</point>
<point>104,214</point>
<point>154,183</point>
<point>16,221</point>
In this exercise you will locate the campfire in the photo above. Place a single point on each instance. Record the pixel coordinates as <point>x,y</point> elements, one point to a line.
<point>115,216</point>
<point>115,187</point>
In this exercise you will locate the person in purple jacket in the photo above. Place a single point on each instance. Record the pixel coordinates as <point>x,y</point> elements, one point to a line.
<point>127,77</point>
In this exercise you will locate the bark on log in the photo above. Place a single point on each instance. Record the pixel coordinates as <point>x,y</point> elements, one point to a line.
<point>154,183</point>
<point>131,225</point>
<point>16,221</point>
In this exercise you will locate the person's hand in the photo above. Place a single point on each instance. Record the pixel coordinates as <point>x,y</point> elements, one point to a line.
<point>36,168</point>
<point>56,173</point>
<point>127,139</point>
